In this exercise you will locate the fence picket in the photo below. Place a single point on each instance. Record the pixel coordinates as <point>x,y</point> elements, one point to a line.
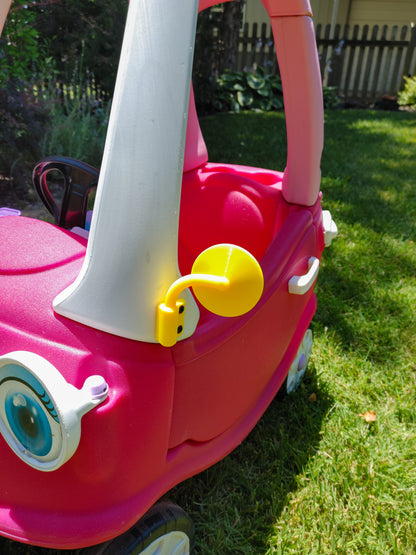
<point>363,68</point>
<point>398,63</point>
<point>324,56</point>
<point>410,54</point>
<point>361,52</point>
<point>350,65</point>
<point>368,74</point>
<point>244,39</point>
<point>336,57</point>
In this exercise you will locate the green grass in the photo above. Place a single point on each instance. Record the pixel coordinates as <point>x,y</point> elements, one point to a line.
<point>314,477</point>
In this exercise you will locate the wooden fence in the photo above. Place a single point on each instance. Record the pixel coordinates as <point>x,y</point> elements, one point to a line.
<point>363,64</point>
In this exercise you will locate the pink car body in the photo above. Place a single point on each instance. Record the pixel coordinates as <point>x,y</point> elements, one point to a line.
<point>163,414</point>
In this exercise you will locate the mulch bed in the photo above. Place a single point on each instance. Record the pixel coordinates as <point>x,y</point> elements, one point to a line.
<point>24,200</point>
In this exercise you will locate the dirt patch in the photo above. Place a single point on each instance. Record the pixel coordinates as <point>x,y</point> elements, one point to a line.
<point>37,211</point>
<point>28,203</point>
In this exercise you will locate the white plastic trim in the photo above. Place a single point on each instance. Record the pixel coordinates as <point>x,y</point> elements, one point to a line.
<point>299,285</point>
<point>173,543</point>
<point>330,227</point>
<point>131,259</point>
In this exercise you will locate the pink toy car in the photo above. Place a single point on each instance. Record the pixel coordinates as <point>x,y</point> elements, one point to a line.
<point>140,348</point>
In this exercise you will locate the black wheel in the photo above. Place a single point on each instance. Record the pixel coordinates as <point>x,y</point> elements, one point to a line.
<point>165,529</point>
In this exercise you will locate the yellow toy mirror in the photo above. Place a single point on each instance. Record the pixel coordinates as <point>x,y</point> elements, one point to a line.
<point>226,279</point>
<point>240,270</point>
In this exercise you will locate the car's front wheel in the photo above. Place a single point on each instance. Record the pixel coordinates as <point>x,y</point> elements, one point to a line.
<point>165,529</point>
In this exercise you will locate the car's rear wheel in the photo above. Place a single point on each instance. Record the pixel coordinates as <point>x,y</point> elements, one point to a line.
<point>300,363</point>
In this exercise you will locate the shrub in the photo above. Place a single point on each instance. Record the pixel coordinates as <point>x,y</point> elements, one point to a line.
<point>20,48</point>
<point>48,119</point>
<point>23,119</point>
<point>331,99</point>
<point>248,90</point>
<point>258,91</point>
<point>79,119</point>
<point>407,96</point>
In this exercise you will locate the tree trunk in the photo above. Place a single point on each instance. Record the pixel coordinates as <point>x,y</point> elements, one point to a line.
<point>228,35</point>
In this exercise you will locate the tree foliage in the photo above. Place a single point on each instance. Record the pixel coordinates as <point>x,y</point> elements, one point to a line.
<point>49,46</point>
<point>229,34</point>
<point>84,35</point>
<point>67,37</point>
<point>71,37</point>
<point>20,48</point>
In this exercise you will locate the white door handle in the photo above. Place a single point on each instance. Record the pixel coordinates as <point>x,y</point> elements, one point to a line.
<point>299,285</point>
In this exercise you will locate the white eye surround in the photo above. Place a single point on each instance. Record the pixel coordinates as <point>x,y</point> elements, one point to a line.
<point>40,412</point>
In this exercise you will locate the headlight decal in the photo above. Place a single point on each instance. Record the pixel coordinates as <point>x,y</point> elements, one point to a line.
<point>20,374</point>
<point>40,413</point>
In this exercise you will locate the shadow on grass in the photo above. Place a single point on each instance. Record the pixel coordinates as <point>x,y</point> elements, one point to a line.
<point>369,184</point>
<point>369,170</point>
<point>370,309</point>
<point>235,503</point>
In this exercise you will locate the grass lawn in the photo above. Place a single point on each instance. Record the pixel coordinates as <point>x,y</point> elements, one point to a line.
<point>314,476</point>
<point>330,469</point>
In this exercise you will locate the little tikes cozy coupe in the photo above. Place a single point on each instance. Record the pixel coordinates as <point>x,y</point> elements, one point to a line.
<point>137,354</point>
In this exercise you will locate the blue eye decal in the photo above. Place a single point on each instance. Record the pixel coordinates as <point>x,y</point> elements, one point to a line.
<point>28,422</point>
<point>30,415</point>
<point>19,374</point>
<point>40,412</point>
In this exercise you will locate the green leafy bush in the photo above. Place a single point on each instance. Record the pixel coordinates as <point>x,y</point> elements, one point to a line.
<point>331,99</point>
<point>20,48</point>
<point>46,36</point>
<point>407,96</point>
<point>257,91</point>
<point>79,119</point>
<point>247,90</point>
<point>48,119</point>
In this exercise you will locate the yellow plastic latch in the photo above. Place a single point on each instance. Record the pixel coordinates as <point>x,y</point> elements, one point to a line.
<point>226,279</point>
<point>170,322</point>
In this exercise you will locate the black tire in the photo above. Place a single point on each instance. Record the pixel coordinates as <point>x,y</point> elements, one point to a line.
<point>164,517</point>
